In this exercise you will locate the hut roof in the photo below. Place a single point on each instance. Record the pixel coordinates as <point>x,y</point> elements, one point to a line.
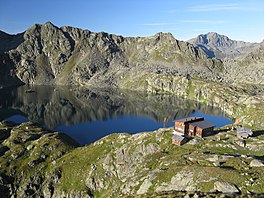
<point>190,119</point>
<point>241,130</point>
<point>178,138</point>
<point>242,134</point>
<point>202,124</point>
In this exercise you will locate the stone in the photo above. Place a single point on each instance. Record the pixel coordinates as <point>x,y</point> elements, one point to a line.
<point>196,196</point>
<point>182,181</point>
<point>256,163</point>
<point>226,187</point>
<point>214,158</point>
<point>194,141</point>
<point>144,187</point>
<point>217,164</point>
<point>29,147</point>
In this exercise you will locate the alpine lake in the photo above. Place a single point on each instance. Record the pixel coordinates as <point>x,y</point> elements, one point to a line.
<point>87,115</point>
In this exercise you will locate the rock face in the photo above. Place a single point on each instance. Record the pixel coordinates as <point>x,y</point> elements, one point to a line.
<point>144,187</point>
<point>8,72</point>
<point>247,69</point>
<point>46,54</point>
<point>222,47</point>
<point>9,42</point>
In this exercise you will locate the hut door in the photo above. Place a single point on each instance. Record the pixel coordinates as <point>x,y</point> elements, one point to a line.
<point>194,131</point>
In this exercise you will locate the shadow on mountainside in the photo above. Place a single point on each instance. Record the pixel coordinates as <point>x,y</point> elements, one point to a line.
<point>257,133</point>
<point>9,42</point>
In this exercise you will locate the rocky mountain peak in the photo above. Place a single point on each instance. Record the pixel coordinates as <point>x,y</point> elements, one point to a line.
<point>48,23</point>
<point>213,38</point>
<point>221,46</point>
<point>164,37</point>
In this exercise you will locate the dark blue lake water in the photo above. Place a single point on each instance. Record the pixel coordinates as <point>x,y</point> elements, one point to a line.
<point>88,115</point>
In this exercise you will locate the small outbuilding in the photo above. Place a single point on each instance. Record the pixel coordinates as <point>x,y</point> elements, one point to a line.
<point>178,139</point>
<point>244,133</point>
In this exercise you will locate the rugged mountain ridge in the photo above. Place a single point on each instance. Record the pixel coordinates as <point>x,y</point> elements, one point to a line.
<point>222,47</point>
<point>67,55</point>
<point>46,54</point>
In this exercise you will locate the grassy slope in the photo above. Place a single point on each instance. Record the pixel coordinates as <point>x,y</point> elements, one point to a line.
<point>168,161</point>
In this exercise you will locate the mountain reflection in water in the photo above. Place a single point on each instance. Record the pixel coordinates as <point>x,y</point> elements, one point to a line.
<point>89,114</point>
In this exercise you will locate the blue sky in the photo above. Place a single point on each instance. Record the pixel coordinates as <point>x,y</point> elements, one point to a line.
<point>238,19</point>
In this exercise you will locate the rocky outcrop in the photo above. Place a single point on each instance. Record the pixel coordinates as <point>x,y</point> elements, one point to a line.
<point>28,151</point>
<point>182,181</point>
<point>222,47</point>
<point>226,187</point>
<point>248,69</point>
<point>256,163</point>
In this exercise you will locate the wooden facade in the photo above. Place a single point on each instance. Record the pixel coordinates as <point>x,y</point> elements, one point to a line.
<point>194,126</point>
<point>182,125</point>
<point>201,128</point>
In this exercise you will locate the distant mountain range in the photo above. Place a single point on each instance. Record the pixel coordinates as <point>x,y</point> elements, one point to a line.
<point>46,54</point>
<point>222,47</point>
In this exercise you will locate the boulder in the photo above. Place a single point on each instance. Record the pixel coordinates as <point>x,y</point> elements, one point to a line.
<point>144,187</point>
<point>256,163</point>
<point>182,181</point>
<point>226,187</point>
